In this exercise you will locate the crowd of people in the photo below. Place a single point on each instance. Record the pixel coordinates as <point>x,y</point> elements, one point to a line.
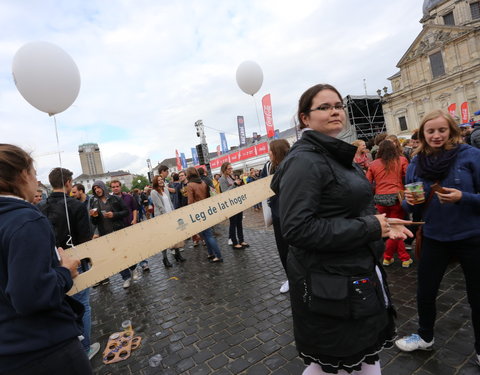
<point>335,232</point>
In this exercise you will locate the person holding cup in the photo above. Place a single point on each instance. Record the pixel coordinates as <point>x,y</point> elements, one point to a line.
<point>442,159</point>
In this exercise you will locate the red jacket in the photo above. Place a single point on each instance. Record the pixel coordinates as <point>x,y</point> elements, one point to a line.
<point>391,182</point>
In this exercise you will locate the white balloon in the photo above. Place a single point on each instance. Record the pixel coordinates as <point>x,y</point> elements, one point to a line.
<point>46,76</point>
<point>249,77</point>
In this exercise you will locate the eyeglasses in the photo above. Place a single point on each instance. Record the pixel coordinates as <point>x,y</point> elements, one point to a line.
<point>328,107</point>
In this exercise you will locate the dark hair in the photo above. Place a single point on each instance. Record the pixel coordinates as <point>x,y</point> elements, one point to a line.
<point>389,153</point>
<point>217,174</point>
<point>79,187</point>
<point>415,135</point>
<point>162,168</point>
<point>13,161</point>
<point>115,182</point>
<point>175,176</point>
<point>58,177</point>
<point>306,100</point>
<point>379,138</point>
<point>200,171</point>
<point>155,184</point>
<point>223,168</point>
<point>279,149</point>
<point>192,172</point>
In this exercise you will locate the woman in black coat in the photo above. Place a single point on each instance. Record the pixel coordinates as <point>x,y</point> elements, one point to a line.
<point>342,312</point>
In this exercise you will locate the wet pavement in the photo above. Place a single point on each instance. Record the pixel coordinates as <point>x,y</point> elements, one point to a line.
<point>230,318</point>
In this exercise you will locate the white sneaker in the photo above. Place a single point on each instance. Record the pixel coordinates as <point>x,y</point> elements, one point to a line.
<point>413,342</point>
<point>285,287</point>
<point>135,274</point>
<point>94,348</point>
<point>126,283</point>
<point>230,242</point>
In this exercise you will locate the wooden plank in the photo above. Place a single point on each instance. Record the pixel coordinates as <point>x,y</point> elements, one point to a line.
<point>117,251</point>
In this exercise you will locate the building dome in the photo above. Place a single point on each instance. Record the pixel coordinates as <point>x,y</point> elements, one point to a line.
<point>428,5</point>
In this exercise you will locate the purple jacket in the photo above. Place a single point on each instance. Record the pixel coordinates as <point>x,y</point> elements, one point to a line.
<point>132,205</point>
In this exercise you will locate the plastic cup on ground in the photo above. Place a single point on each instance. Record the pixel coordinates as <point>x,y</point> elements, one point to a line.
<point>416,188</point>
<point>127,326</point>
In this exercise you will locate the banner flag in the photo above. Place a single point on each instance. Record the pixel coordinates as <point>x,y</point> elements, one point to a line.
<point>184,160</point>
<point>464,110</point>
<point>452,109</point>
<point>194,156</point>
<point>179,163</point>
<point>276,134</point>
<point>241,130</point>
<point>267,114</point>
<point>223,142</point>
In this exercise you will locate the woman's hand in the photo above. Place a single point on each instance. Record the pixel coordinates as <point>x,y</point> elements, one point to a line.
<point>69,262</point>
<point>396,231</point>
<point>409,197</point>
<point>452,195</point>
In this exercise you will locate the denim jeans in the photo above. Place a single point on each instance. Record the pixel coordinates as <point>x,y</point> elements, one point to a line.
<point>434,261</point>
<point>127,273</point>
<point>212,246</point>
<point>84,298</point>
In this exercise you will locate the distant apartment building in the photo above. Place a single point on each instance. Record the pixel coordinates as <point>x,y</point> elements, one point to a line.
<point>90,159</point>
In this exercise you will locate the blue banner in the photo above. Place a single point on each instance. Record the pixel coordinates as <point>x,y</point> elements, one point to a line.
<point>241,130</point>
<point>194,156</point>
<point>183,160</point>
<point>223,142</point>
<point>276,135</point>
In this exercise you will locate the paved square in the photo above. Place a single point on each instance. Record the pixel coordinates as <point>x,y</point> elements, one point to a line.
<point>230,318</point>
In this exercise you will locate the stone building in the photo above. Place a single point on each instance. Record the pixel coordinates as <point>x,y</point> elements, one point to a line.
<point>90,159</point>
<point>441,67</point>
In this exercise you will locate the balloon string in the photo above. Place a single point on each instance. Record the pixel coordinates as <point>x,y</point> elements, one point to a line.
<point>69,240</point>
<point>258,117</point>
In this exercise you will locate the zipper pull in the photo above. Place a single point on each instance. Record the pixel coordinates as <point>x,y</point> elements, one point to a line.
<point>305,295</point>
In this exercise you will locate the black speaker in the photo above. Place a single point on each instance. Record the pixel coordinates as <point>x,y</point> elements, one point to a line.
<point>201,156</point>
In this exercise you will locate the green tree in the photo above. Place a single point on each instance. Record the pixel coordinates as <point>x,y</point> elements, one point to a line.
<point>139,182</point>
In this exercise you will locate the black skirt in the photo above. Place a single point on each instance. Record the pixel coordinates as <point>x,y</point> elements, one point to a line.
<point>332,365</point>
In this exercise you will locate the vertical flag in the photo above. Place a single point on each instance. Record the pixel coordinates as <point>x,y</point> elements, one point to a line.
<point>219,152</point>
<point>194,156</point>
<point>452,109</point>
<point>464,110</point>
<point>179,164</point>
<point>241,130</point>
<point>267,114</point>
<point>277,134</point>
<point>223,142</point>
<point>184,160</point>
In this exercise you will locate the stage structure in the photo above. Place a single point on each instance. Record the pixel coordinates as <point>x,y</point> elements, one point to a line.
<point>365,115</point>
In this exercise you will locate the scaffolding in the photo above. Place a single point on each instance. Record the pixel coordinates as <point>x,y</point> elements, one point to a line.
<point>365,115</point>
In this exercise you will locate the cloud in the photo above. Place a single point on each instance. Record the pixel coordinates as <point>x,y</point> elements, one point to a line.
<point>150,69</point>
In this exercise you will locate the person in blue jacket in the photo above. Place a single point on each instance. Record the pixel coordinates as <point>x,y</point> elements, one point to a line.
<point>39,324</point>
<point>441,158</point>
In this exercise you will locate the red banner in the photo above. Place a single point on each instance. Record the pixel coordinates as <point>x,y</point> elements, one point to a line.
<point>267,114</point>
<point>179,163</point>
<point>243,154</point>
<point>464,110</point>
<point>452,109</point>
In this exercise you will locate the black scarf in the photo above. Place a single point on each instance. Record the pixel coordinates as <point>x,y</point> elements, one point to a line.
<point>435,167</point>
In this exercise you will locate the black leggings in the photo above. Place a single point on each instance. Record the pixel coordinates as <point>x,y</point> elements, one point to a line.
<point>282,244</point>
<point>69,359</point>
<point>236,228</point>
<point>434,260</point>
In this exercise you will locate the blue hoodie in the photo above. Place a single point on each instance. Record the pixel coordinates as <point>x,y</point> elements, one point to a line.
<point>452,221</point>
<point>35,314</point>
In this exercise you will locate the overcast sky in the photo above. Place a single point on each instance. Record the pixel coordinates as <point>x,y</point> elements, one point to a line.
<point>151,68</point>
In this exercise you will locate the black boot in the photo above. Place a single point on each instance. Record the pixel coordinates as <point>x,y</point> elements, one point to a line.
<point>178,257</point>
<point>167,263</point>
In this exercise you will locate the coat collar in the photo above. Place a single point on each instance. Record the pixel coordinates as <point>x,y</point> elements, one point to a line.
<point>341,151</point>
